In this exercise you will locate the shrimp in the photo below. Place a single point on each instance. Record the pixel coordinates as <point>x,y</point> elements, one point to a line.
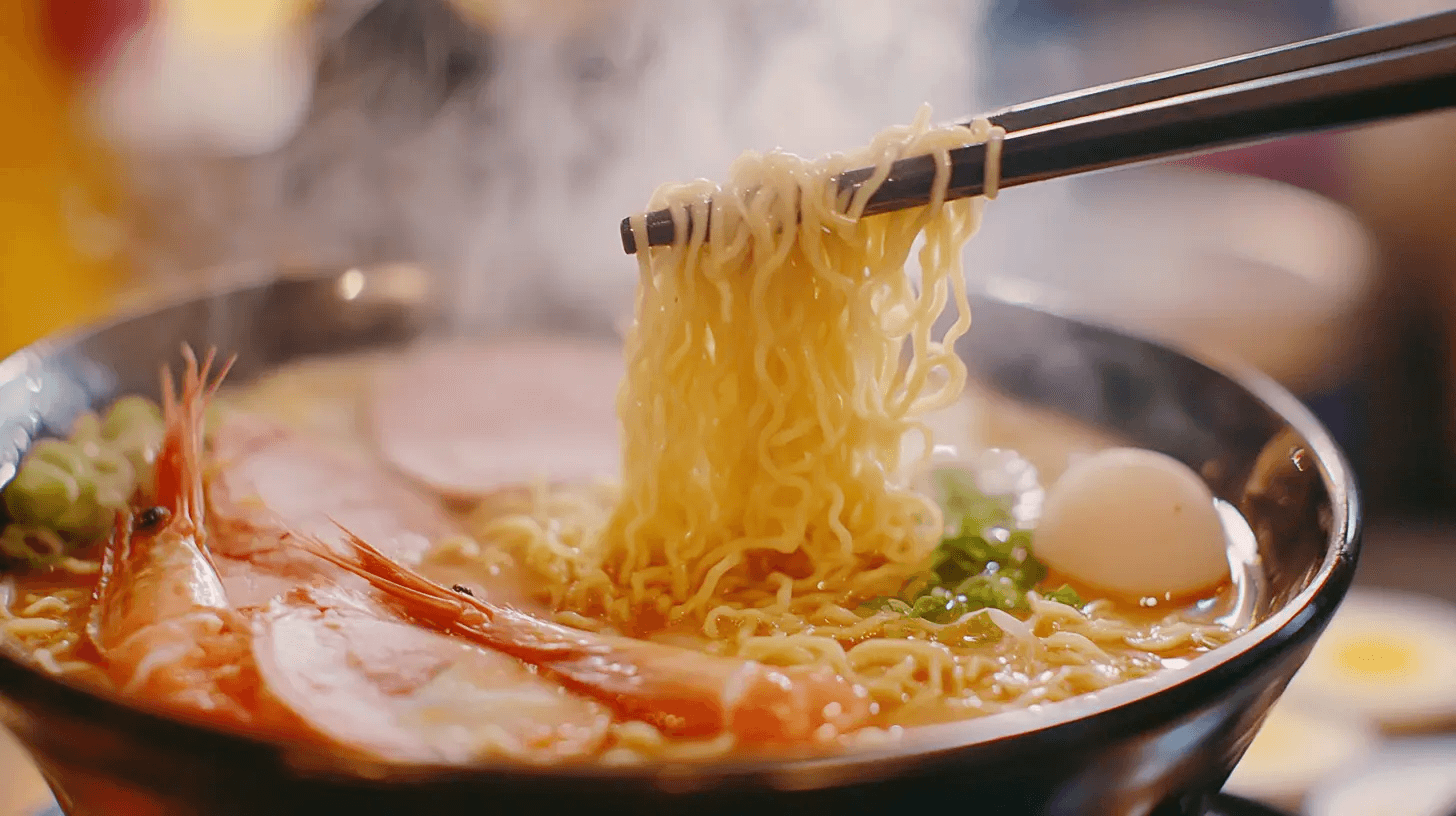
<point>333,642</point>
<point>684,693</point>
<point>160,617</point>
<point>169,632</point>
<point>346,666</point>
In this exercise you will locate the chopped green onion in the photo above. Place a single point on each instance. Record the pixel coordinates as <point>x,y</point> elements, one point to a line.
<point>34,547</point>
<point>938,607</point>
<point>67,491</point>
<point>86,429</point>
<point>130,417</point>
<point>45,486</point>
<point>134,426</point>
<point>992,592</point>
<point>981,563</point>
<point>1064,594</point>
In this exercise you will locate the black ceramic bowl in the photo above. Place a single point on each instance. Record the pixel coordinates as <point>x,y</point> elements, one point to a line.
<point>1162,745</point>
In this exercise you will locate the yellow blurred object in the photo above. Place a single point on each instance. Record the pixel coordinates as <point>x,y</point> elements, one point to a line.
<point>1387,658</point>
<point>521,17</point>
<point>1377,657</point>
<point>58,244</point>
<point>235,22</point>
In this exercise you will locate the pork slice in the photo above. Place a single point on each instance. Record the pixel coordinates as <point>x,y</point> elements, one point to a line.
<point>472,419</point>
<point>402,693</point>
<point>268,478</point>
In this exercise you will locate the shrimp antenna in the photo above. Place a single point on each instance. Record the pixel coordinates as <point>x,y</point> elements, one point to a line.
<point>183,410</point>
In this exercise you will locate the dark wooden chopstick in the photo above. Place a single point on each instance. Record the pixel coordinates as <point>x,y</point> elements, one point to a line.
<point>1409,80</point>
<point>1333,81</point>
<point>1283,59</point>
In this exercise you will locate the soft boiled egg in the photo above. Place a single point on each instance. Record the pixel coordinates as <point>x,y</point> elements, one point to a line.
<point>1133,523</point>
<point>1386,657</point>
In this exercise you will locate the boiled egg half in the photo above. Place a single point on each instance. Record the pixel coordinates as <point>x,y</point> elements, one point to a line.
<point>1133,523</point>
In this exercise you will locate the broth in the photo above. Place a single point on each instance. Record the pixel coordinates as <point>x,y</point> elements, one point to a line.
<point>1049,651</point>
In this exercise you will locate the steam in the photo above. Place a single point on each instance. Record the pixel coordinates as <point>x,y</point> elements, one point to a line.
<point>691,86</point>
<point>505,163</point>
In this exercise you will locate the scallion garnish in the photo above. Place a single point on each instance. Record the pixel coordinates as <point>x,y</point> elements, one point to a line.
<point>983,562</point>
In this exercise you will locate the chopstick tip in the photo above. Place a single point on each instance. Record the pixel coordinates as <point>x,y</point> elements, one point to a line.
<point>629,241</point>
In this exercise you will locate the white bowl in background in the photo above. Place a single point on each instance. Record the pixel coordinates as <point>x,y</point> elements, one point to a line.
<point>1218,264</point>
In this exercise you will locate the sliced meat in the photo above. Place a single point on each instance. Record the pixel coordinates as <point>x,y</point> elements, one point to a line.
<point>268,478</point>
<point>469,419</point>
<point>402,693</point>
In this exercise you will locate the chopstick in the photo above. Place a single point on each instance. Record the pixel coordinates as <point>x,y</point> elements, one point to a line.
<point>1334,81</point>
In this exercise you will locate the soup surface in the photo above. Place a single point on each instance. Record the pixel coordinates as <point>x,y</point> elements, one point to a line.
<point>528,542</point>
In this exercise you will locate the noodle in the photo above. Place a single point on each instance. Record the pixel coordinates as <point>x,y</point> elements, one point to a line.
<point>992,183</point>
<point>46,624</point>
<point>768,387</point>
<point>776,365</point>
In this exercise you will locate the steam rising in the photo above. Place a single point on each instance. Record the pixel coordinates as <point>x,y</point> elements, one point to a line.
<point>506,162</point>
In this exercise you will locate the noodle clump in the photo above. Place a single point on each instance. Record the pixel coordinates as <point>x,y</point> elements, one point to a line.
<point>775,368</point>
<point>769,391</point>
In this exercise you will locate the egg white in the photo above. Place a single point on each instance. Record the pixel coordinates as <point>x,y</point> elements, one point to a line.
<point>1386,657</point>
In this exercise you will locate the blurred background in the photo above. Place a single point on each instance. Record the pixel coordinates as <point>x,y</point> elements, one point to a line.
<point>159,146</point>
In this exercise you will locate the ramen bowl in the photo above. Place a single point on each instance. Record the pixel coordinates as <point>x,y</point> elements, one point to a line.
<point>1157,745</point>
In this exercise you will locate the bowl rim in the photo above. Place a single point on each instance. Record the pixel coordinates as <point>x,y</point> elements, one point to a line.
<point>1303,616</point>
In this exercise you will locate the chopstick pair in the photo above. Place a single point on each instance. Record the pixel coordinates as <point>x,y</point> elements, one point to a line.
<point>1338,80</point>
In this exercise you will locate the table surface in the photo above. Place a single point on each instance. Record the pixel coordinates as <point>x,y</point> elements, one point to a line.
<point>22,791</point>
<point>1411,557</point>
